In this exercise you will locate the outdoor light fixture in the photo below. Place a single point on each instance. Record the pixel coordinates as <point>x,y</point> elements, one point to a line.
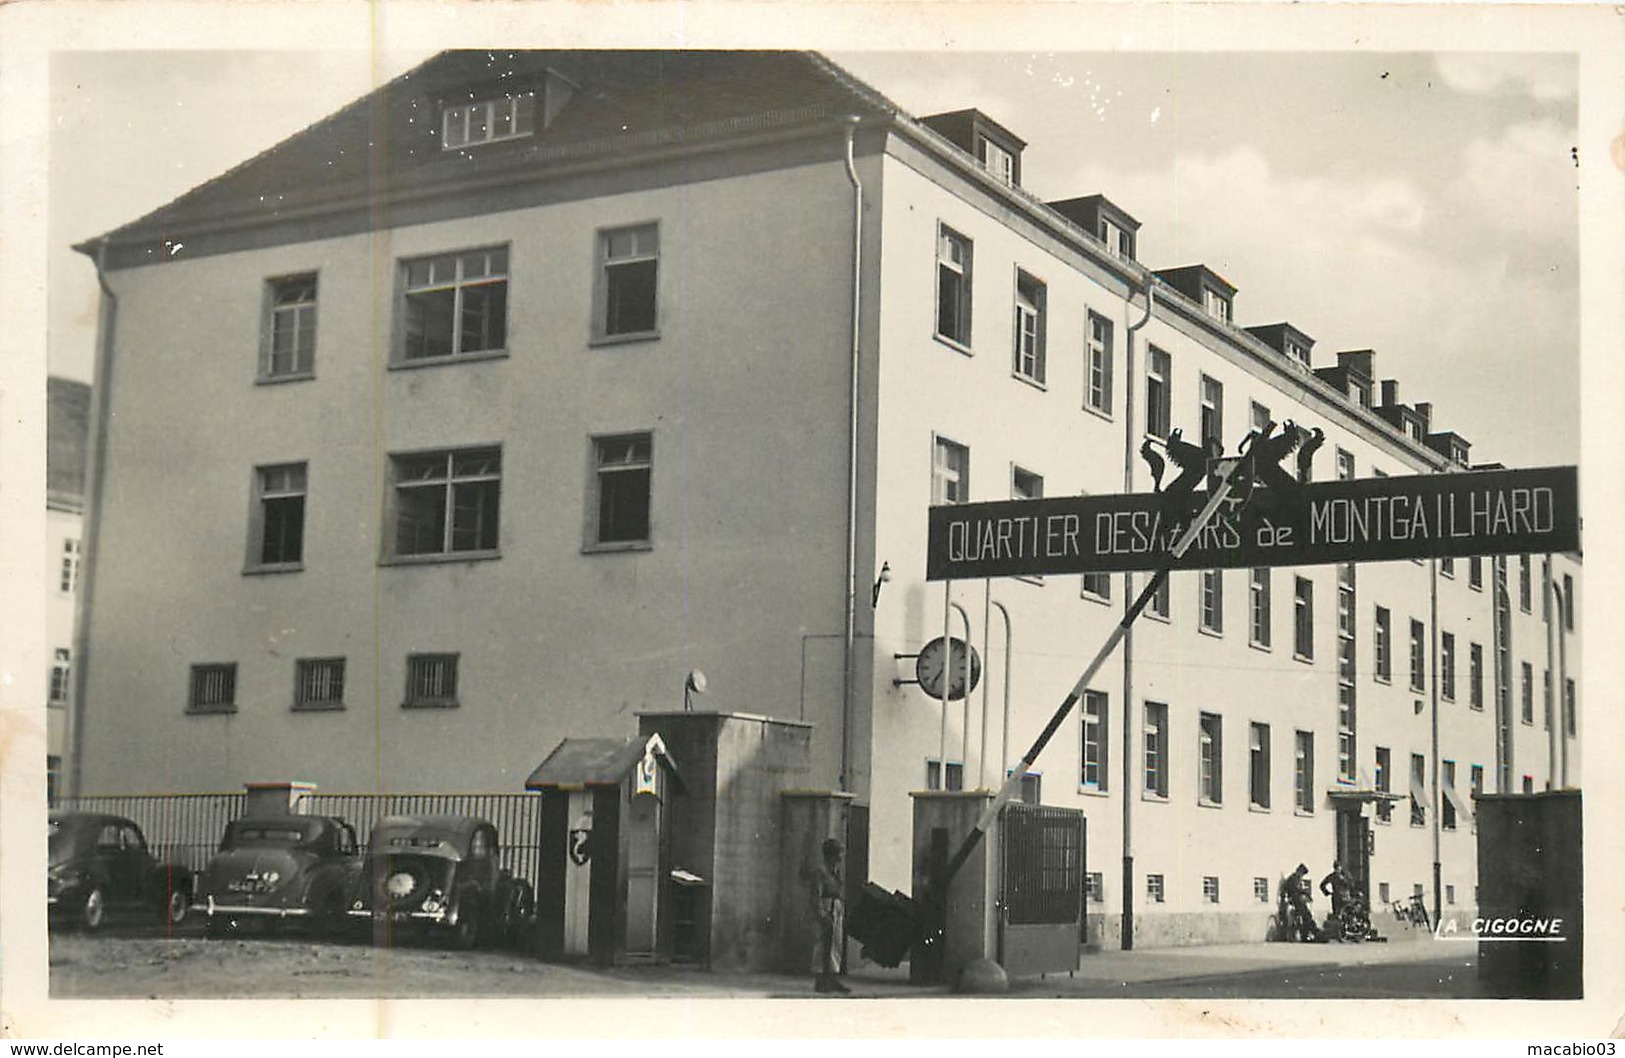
<point>884,578</point>
<point>695,684</point>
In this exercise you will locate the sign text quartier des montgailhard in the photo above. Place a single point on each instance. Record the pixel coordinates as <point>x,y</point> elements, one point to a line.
<point>1485,512</point>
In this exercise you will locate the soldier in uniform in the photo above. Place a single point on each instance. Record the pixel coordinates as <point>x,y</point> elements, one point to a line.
<point>829,912</point>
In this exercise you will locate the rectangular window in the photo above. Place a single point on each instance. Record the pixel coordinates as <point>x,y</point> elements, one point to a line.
<point>1568,602</point>
<point>1546,699</point>
<point>1449,894</point>
<point>933,775</point>
<point>1158,606</point>
<point>431,681</point>
<point>1419,676</point>
<point>953,286</point>
<point>1153,888</point>
<point>1261,890</point>
<point>1384,892</point>
<point>1212,411</point>
<point>446,503</point>
<point>1258,772</point>
<point>1419,786</point>
<point>1524,594</point>
<point>1475,675</point>
<point>279,516</point>
<point>998,161</point>
<point>1025,485</point>
<point>1447,666</point>
<point>1259,607</point>
<point>1528,784</point>
<point>1381,654</point>
<point>950,472</point>
<point>319,683</point>
<point>68,578</point>
<point>213,688</point>
<point>1384,782</point>
<point>1475,573</point>
<point>487,121</point>
<point>628,279</point>
<point>61,670</point>
<point>1303,618</point>
<point>1475,779</point>
<point>1527,685</point>
<point>1545,593</point>
<point>1215,304</point>
<point>1155,735</point>
<point>1260,416</point>
<point>1210,759</point>
<point>1158,396</point>
<point>1212,600</point>
<point>1097,585</point>
<point>289,347</point>
<point>1094,712</point>
<point>1303,771</point>
<point>1447,567</point>
<point>456,305</point>
<point>1029,328</point>
<point>1447,804</point>
<point>1101,358</point>
<point>1210,888</point>
<point>1094,885</point>
<point>1569,719</point>
<point>622,479</point>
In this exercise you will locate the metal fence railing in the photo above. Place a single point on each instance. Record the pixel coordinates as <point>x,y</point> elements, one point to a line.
<point>517,817</point>
<point>186,828</point>
<point>180,828</point>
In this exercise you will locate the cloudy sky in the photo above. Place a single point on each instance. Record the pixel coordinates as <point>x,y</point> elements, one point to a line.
<point>1420,205</point>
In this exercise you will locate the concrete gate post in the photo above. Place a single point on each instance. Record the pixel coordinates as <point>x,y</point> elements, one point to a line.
<point>942,820</point>
<point>808,817</point>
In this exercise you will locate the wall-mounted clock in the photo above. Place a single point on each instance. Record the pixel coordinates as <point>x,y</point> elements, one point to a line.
<point>937,658</point>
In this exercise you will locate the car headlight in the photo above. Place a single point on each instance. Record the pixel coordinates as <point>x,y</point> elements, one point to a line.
<point>434,901</point>
<point>269,879</point>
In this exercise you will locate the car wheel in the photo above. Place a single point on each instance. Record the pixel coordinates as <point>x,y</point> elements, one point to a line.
<point>466,934</point>
<point>94,911</point>
<point>176,907</point>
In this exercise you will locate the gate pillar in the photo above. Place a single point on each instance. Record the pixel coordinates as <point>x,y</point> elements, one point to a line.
<point>942,820</point>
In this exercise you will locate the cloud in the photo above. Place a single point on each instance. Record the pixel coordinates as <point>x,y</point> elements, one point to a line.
<point>1523,183</point>
<point>1547,78</point>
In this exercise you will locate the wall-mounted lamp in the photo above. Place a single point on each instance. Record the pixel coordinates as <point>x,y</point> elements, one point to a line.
<point>695,684</point>
<point>884,578</point>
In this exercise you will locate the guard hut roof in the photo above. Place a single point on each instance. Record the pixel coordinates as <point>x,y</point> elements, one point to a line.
<point>577,763</point>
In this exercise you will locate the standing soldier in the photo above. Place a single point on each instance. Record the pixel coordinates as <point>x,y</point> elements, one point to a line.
<point>829,911</point>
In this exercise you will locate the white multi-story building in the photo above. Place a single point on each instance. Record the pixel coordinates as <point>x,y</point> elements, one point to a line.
<point>480,413</point>
<point>69,404</point>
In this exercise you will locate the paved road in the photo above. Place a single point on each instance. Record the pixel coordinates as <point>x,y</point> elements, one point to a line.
<point>1453,978</point>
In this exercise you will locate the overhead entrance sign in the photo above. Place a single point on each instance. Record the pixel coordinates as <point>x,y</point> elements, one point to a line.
<point>1484,512</point>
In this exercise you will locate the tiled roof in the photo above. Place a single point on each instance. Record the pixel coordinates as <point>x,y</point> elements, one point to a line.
<point>67,426</point>
<point>388,142</point>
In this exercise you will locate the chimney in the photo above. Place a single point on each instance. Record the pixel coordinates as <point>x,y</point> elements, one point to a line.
<point>1390,392</point>
<point>1424,411</point>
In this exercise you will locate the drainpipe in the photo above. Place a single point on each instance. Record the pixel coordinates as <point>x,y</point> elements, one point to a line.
<point>1554,697</point>
<point>844,782</point>
<point>964,719</point>
<point>1433,643</point>
<point>1129,769</point>
<point>95,464</point>
<point>1009,637</point>
<point>1563,720</point>
<point>987,662</point>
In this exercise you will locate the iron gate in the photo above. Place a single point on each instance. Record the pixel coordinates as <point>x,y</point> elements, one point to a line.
<point>1041,893</point>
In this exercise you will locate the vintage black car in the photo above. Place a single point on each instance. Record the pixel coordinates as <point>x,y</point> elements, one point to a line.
<point>276,869</point>
<point>98,865</point>
<point>439,874</point>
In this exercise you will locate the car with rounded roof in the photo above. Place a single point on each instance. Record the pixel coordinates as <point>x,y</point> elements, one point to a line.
<point>98,865</point>
<point>440,875</point>
<point>278,869</point>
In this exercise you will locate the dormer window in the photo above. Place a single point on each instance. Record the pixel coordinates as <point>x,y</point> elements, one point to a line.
<point>1297,352</point>
<point>1360,393</point>
<point>998,161</point>
<point>1215,304</point>
<point>1117,240</point>
<point>506,117</point>
<point>1414,428</point>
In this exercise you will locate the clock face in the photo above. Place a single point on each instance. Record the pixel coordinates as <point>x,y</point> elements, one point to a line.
<point>937,660</point>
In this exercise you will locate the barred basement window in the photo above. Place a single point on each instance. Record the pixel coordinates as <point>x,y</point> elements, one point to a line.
<point>1261,890</point>
<point>1095,886</point>
<point>213,688</point>
<point>455,305</point>
<point>1210,888</point>
<point>431,681</point>
<point>1449,894</point>
<point>319,683</point>
<point>1154,888</point>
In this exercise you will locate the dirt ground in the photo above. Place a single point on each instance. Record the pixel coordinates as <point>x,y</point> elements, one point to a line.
<point>143,964</point>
